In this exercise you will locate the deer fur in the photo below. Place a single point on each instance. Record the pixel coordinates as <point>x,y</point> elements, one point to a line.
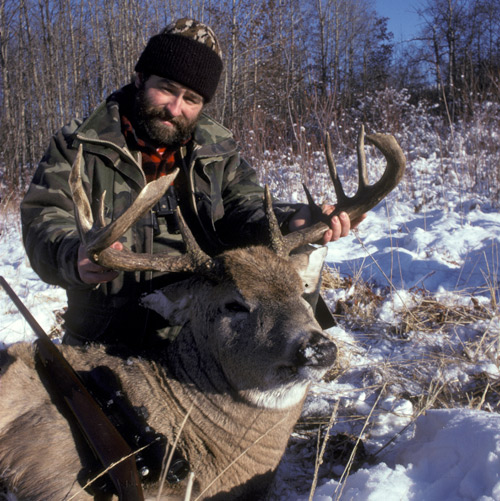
<point>239,369</point>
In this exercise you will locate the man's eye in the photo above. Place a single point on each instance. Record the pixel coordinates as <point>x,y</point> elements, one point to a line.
<point>192,100</point>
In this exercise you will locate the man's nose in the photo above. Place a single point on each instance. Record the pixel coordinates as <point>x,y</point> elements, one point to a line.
<point>175,106</point>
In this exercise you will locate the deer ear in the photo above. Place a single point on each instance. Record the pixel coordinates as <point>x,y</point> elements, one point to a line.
<point>172,303</point>
<point>308,261</point>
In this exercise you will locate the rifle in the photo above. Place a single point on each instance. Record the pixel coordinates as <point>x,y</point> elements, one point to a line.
<point>108,445</point>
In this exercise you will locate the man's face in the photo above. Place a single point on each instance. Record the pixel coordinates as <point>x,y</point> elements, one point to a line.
<point>166,111</point>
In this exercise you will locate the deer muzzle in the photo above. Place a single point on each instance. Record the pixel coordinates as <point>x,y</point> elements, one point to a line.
<point>318,352</point>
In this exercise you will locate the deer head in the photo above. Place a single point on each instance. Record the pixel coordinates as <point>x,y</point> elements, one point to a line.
<point>247,317</point>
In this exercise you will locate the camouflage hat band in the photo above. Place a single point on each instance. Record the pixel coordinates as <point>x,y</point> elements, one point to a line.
<point>183,60</point>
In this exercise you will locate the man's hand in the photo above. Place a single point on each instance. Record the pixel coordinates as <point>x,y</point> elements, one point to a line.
<point>92,273</point>
<point>339,226</point>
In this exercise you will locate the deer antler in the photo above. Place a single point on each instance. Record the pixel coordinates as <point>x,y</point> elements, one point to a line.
<point>97,237</point>
<point>366,197</point>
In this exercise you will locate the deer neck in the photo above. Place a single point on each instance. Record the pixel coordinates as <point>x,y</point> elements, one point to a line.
<point>220,429</point>
<point>229,442</point>
<point>195,367</point>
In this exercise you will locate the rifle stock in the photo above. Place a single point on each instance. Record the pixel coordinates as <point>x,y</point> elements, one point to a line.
<point>108,445</point>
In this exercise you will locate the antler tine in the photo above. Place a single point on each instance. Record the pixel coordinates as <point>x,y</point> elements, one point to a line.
<point>366,196</point>
<point>275,236</point>
<point>146,199</point>
<point>97,238</point>
<point>83,212</point>
<point>314,208</point>
<point>195,256</point>
<point>339,190</point>
<point>360,149</point>
<point>370,196</point>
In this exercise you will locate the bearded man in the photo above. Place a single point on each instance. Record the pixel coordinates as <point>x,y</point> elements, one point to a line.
<point>141,132</point>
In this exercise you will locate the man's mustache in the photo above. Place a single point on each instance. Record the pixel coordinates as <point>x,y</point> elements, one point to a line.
<point>164,115</point>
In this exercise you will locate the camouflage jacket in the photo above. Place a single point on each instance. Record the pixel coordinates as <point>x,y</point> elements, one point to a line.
<point>219,196</point>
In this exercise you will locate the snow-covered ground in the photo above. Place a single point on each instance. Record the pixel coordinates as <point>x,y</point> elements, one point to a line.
<point>43,301</point>
<point>417,396</point>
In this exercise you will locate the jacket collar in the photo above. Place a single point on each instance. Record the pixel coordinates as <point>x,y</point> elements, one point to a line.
<point>101,135</point>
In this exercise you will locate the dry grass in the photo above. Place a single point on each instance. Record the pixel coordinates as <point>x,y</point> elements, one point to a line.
<point>330,278</point>
<point>57,330</point>
<point>429,314</point>
<point>360,305</point>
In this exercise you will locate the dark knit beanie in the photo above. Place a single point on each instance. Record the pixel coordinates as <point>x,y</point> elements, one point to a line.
<point>186,52</point>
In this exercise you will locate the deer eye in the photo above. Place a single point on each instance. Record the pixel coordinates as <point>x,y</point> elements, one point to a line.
<point>236,307</point>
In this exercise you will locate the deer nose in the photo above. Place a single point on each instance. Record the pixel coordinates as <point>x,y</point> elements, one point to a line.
<point>317,351</point>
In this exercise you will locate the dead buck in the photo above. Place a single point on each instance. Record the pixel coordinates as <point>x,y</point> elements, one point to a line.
<point>239,369</point>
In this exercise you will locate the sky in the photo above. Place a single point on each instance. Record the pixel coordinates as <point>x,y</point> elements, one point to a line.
<point>403,20</point>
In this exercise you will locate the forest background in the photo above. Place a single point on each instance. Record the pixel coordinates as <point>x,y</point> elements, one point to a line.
<point>415,290</point>
<point>293,69</point>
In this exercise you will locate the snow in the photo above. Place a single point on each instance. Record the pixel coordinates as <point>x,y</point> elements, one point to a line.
<point>42,300</point>
<point>404,395</point>
<point>452,455</point>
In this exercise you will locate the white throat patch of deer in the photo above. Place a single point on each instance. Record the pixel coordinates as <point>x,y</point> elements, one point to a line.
<point>239,368</point>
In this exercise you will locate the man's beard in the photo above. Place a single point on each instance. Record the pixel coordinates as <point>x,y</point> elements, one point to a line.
<point>150,123</point>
